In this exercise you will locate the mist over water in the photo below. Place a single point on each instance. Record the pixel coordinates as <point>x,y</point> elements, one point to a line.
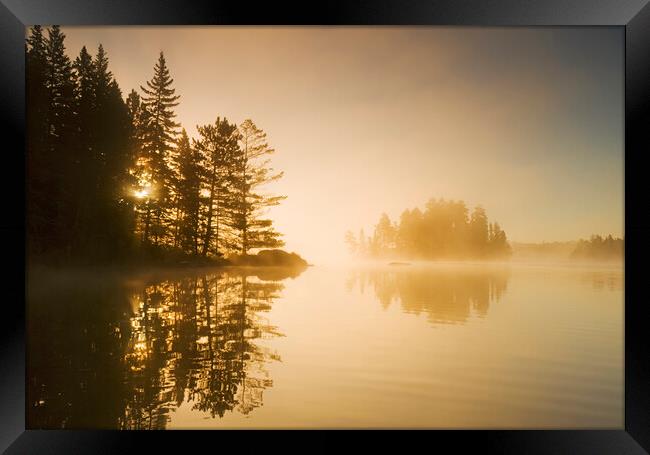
<point>435,345</point>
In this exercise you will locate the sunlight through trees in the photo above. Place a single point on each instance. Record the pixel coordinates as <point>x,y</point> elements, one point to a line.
<point>113,179</point>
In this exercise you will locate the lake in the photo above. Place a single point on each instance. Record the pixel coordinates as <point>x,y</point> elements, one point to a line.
<point>413,346</point>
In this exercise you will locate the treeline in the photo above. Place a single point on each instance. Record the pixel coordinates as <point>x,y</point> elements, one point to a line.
<point>110,178</point>
<point>599,248</point>
<point>443,230</point>
<point>544,250</point>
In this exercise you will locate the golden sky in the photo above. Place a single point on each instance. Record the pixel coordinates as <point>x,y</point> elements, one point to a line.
<point>527,122</point>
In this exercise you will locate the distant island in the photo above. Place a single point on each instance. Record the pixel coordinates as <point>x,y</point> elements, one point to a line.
<point>442,230</point>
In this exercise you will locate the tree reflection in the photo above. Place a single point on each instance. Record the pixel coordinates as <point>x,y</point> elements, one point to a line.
<point>109,356</point>
<point>446,296</point>
<point>610,280</point>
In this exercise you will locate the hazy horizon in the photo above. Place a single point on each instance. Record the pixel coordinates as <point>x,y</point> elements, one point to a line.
<point>527,123</point>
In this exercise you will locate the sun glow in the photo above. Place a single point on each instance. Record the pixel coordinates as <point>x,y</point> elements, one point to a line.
<point>141,194</point>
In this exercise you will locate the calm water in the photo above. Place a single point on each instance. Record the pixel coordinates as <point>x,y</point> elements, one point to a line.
<point>403,346</point>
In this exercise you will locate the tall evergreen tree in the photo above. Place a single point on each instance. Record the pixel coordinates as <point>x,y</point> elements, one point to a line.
<point>138,122</point>
<point>384,236</point>
<point>105,138</point>
<point>479,231</point>
<point>119,217</point>
<point>159,135</point>
<point>253,172</point>
<point>219,148</point>
<point>61,140</point>
<point>40,206</point>
<point>85,160</point>
<point>189,186</point>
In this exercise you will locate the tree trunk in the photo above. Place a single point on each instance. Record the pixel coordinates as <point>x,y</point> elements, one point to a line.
<point>208,229</point>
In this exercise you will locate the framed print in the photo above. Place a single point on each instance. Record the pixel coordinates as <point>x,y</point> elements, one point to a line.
<point>362,216</point>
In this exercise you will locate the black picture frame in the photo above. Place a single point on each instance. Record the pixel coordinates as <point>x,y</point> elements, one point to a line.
<point>632,15</point>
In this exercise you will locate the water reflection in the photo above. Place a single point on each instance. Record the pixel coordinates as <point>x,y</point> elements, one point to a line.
<point>110,354</point>
<point>445,295</point>
<point>609,280</point>
<point>538,345</point>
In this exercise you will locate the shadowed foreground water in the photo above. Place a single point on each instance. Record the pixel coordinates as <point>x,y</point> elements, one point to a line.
<point>468,346</point>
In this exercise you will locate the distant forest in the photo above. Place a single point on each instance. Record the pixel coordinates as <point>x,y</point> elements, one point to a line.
<point>599,248</point>
<point>544,250</point>
<point>443,230</point>
<point>112,179</point>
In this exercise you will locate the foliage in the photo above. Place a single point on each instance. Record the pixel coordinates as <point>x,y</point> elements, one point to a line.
<point>77,154</point>
<point>600,248</point>
<point>444,230</point>
<point>113,180</point>
<point>270,258</point>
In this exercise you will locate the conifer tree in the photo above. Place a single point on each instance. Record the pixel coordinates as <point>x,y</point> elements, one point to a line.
<point>479,231</point>
<point>159,135</point>
<point>39,203</point>
<point>36,90</point>
<point>189,185</point>
<point>119,217</point>
<point>138,121</point>
<point>219,151</point>
<point>86,169</point>
<point>58,161</point>
<point>252,173</point>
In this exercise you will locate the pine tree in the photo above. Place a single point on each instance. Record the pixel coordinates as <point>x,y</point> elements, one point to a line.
<point>86,168</point>
<point>499,242</point>
<point>479,231</point>
<point>138,122</point>
<point>219,149</point>
<point>117,181</point>
<point>36,89</point>
<point>40,206</point>
<point>61,141</point>
<point>189,185</point>
<point>252,173</point>
<point>160,132</point>
<point>384,236</point>
<point>61,87</point>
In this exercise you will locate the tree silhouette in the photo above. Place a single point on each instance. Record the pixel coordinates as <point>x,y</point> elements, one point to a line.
<point>599,248</point>
<point>104,172</point>
<point>442,231</point>
<point>160,130</point>
<point>40,182</point>
<point>218,147</point>
<point>252,172</point>
<point>188,188</point>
